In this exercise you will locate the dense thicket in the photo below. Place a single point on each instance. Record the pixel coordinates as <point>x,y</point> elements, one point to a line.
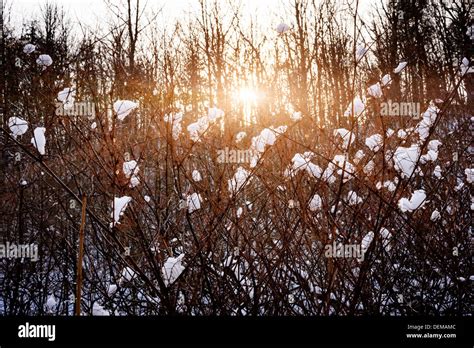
<point>258,248</point>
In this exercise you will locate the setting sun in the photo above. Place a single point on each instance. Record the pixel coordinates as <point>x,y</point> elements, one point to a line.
<point>248,98</point>
<point>248,95</point>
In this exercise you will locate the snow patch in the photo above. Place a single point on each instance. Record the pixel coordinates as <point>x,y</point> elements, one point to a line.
<point>400,67</point>
<point>29,48</point>
<point>172,269</point>
<point>39,140</point>
<point>238,181</point>
<point>196,175</point>
<point>375,90</point>
<point>193,202</point>
<point>405,159</point>
<point>123,108</point>
<point>374,142</point>
<point>416,201</point>
<point>17,125</point>
<point>119,205</point>
<point>357,105</point>
<point>44,60</point>
<point>316,203</point>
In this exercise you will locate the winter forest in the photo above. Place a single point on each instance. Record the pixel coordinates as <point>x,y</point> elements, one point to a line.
<point>316,162</point>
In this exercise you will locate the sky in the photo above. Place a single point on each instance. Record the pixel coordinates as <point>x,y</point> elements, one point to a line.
<point>91,12</point>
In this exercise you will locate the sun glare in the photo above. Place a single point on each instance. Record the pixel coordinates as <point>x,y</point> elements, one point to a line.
<point>248,98</point>
<point>248,95</point>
